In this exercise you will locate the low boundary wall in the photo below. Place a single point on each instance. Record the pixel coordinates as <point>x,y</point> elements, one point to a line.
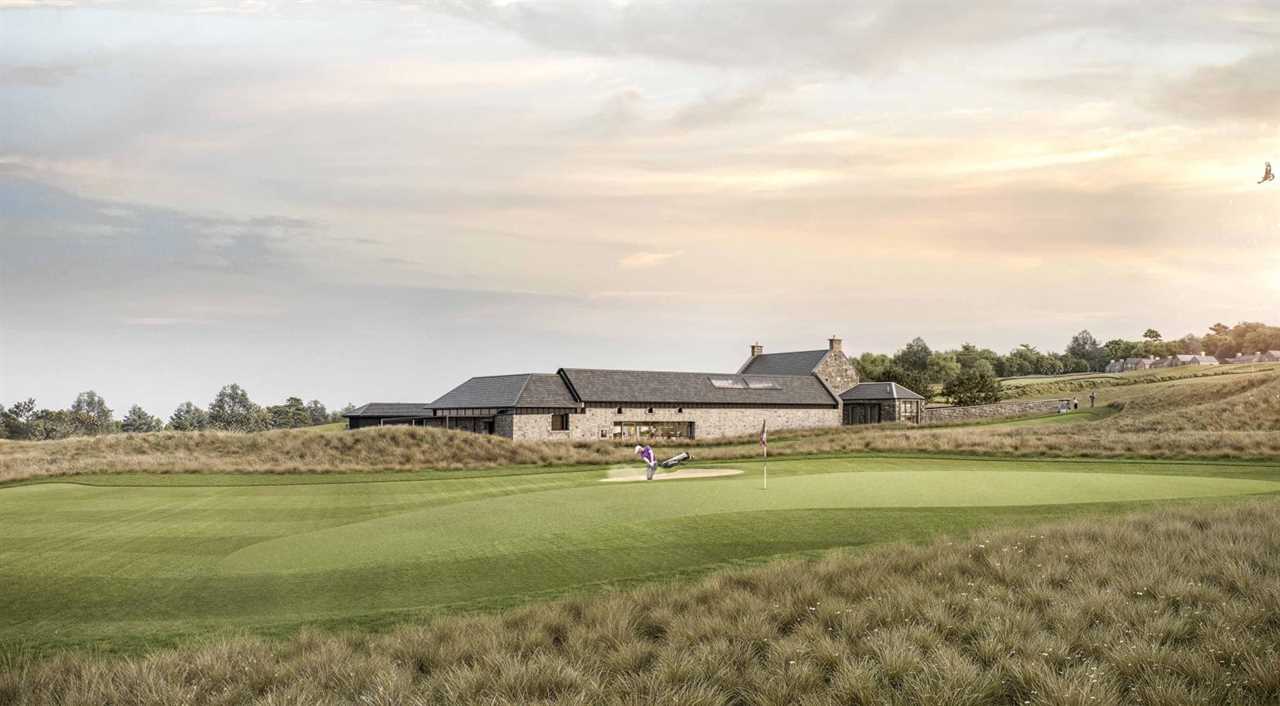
<point>978,412</point>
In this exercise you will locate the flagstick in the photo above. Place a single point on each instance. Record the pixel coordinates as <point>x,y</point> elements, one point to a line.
<point>766,468</point>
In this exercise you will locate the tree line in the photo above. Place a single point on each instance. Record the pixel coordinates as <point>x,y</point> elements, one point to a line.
<point>230,410</point>
<point>970,375</point>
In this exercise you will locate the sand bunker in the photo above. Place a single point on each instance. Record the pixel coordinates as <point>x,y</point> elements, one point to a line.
<point>630,475</point>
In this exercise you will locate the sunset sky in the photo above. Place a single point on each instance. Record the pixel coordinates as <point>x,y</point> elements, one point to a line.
<point>358,201</point>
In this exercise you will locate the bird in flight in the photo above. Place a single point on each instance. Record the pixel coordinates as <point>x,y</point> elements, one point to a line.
<point>1266,174</point>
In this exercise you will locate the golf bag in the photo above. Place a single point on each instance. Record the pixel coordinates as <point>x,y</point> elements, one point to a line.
<point>675,460</point>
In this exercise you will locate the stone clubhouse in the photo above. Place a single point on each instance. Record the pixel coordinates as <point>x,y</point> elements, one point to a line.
<point>791,390</point>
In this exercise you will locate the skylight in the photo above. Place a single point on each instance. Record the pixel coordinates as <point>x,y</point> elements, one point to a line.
<point>728,383</point>
<point>762,384</point>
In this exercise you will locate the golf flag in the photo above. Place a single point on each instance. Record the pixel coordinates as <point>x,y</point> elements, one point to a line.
<point>764,444</point>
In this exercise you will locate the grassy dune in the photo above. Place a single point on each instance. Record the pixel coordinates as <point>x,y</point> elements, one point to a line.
<point>1229,412</point>
<point>1177,606</point>
<point>1189,412</point>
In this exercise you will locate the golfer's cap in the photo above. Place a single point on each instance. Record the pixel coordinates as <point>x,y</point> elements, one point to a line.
<point>639,448</point>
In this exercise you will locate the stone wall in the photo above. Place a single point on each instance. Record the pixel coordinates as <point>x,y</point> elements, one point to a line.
<point>836,369</point>
<point>707,422</point>
<point>1016,408</point>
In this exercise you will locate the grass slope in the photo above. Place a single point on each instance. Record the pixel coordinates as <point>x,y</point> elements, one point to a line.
<point>125,566</point>
<point>1160,608</point>
<point>1210,413</point>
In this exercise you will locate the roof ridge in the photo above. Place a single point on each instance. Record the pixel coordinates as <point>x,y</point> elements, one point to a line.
<point>527,378</point>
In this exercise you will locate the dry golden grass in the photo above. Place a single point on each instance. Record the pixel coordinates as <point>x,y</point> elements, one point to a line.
<point>1217,415</point>
<point>1171,607</point>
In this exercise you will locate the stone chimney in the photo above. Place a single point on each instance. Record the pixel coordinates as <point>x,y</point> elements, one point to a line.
<point>834,344</point>
<point>756,349</point>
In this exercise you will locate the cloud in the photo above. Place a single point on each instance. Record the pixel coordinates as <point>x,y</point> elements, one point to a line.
<point>36,75</point>
<point>640,260</point>
<point>835,35</point>
<point>1246,90</point>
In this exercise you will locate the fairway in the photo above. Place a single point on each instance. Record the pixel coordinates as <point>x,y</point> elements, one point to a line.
<point>126,566</point>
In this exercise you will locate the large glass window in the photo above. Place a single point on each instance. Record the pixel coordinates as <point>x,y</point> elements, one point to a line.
<point>653,430</point>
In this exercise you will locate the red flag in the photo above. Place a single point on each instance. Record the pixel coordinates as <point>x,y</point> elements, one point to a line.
<point>764,435</point>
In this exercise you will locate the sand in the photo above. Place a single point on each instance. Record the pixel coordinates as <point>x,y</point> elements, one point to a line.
<point>630,475</point>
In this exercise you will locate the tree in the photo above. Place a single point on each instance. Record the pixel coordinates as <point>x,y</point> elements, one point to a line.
<point>91,415</point>
<point>913,356</point>
<point>970,356</point>
<point>317,413</point>
<point>137,420</point>
<point>293,413</point>
<point>976,385</point>
<point>915,380</point>
<point>232,410</point>
<point>15,422</point>
<point>1072,364</point>
<point>1118,349</point>
<point>942,367</point>
<point>1152,335</point>
<point>872,366</point>
<point>1085,347</point>
<point>1190,344</point>
<point>188,417</point>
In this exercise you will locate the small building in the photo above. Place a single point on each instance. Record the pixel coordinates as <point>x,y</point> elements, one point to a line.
<point>1138,363</point>
<point>877,402</point>
<point>1268,357</point>
<point>381,414</point>
<point>1203,359</point>
<point>1115,366</point>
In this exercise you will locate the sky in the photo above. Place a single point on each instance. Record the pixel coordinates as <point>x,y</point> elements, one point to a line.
<point>373,201</point>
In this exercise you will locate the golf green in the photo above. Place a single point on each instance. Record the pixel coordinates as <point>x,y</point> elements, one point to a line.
<point>125,565</point>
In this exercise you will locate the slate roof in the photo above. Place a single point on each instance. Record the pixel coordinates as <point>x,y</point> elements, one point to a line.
<point>864,391</point>
<point>658,387</point>
<point>523,390</point>
<point>391,409</point>
<point>791,363</point>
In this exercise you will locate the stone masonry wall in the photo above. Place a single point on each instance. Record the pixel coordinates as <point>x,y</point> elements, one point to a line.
<point>707,422</point>
<point>1021,408</point>
<point>836,370</point>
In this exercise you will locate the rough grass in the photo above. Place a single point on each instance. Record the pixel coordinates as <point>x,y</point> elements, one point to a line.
<point>1195,413</point>
<point>1171,607</point>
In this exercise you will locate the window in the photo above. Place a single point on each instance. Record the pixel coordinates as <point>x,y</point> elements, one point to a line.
<point>658,430</point>
<point>618,411</point>
<point>758,384</point>
<point>559,422</point>
<point>650,410</point>
<point>728,383</point>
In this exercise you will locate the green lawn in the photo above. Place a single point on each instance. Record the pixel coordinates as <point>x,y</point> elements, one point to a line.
<point>112,562</point>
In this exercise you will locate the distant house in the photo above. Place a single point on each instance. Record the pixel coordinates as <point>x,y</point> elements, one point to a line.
<point>1162,362</point>
<point>783,390</point>
<point>1268,357</point>
<point>1243,358</point>
<point>1138,363</point>
<point>1203,359</point>
<point>1115,366</point>
<point>876,402</point>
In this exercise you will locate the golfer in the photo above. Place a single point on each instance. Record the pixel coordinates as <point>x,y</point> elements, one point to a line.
<point>646,454</point>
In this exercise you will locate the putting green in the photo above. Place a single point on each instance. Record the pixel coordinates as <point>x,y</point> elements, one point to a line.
<point>558,518</point>
<point>126,566</point>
